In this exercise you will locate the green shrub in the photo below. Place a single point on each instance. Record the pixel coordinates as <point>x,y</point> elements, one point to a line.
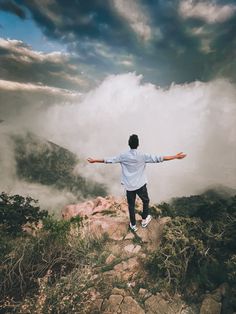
<point>70,294</point>
<point>28,257</point>
<point>198,247</point>
<point>16,211</point>
<point>231,267</point>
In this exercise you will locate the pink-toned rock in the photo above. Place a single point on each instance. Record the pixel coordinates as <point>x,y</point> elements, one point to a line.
<point>119,291</point>
<point>131,248</point>
<point>97,304</point>
<point>130,264</point>
<point>156,304</point>
<point>129,236</point>
<point>116,228</point>
<point>130,306</point>
<point>83,209</point>
<point>94,207</point>
<point>137,249</point>
<point>112,304</point>
<point>110,215</point>
<point>110,259</point>
<point>152,233</point>
<point>210,306</point>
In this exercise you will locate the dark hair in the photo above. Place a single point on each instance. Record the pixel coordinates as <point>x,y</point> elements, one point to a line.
<point>133,141</point>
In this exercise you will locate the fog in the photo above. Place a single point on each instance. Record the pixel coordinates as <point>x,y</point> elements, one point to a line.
<point>198,119</point>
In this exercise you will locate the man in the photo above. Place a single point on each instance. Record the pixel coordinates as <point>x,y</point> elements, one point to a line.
<point>133,164</point>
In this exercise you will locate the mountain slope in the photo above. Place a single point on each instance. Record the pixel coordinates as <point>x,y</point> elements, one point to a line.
<point>41,161</point>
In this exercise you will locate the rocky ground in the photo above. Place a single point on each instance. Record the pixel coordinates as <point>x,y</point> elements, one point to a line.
<point>128,288</point>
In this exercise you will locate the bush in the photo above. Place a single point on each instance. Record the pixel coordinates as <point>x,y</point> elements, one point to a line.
<point>70,294</point>
<point>198,248</point>
<point>31,257</point>
<point>16,211</point>
<point>231,267</point>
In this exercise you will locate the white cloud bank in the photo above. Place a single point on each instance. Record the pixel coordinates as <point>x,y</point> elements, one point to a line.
<point>209,11</point>
<point>27,54</point>
<point>135,15</point>
<point>197,118</point>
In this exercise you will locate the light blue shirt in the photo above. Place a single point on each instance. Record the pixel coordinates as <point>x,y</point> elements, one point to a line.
<point>133,164</point>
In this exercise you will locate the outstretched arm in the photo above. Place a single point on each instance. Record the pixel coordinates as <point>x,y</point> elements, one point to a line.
<point>177,156</point>
<point>92,161</point>
<point>109,160</point>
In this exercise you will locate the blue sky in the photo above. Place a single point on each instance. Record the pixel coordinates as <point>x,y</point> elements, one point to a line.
<point>13,27</point>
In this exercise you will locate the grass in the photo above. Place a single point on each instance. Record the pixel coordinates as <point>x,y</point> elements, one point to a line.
<point>111,265</point>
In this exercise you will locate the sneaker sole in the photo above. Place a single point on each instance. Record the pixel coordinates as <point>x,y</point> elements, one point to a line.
<point>135,230</point>
<point>144,226</point>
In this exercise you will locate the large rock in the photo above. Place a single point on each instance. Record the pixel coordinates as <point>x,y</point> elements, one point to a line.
<point>118,291</point>
<point>101,205</point>
<point>132,249</point>
<point>130,306</point>
<point>101,215</point>
<point>130,264</point>
<point>156,304</point>
<point>151,235</point>
<point>112,305</point>
<point>210,306</point>
<point>110,215</point>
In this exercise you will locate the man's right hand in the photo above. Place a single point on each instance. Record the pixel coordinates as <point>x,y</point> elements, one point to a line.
<point>180,155</point>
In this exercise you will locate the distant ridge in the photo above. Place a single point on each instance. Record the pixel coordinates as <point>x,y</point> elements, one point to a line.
<point>41,161</point>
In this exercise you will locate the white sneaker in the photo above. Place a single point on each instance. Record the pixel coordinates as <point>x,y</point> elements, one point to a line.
<point>133,227</point>
<point>146,221</point>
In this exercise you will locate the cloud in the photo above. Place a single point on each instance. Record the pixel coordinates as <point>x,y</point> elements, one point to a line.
<point>209,11</point>
<point>198,118</point>
<point>135,15</point>
<point>19,101</point>
<point>12,7</point>
<point>160,38</point>
<point>49,197</point>
<point>28,87</point>
<point>19,62</point>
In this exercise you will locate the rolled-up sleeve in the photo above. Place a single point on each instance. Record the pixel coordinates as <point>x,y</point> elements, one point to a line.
<point>153,158</point>
<point>113,160</point>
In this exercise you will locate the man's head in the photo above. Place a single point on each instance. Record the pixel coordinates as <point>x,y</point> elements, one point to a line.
<point>133,141</point>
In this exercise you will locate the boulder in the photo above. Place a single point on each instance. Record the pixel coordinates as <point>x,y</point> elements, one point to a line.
<point>119,291</point>
<point>112,304</point>
<point>97,304</point>
<point>131,264</point>
<point>156,304</point>
<point>210,306</point>
<point>130,306</point>
<point>131,248</point>
<point>110,215</point>
<point>129,236</point>
<point>152,233</point>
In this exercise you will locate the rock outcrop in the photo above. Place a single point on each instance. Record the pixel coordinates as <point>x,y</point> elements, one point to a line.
<point>110,215</point>
<point>124,256</point>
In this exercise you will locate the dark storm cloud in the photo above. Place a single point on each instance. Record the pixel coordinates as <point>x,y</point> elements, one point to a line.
<point>18,62</point>
<point>12,7</point>
<point>177,40</point>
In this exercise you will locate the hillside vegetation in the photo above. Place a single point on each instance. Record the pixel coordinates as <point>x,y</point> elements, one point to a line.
<point>44,162</point>
<point>61,268</point>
